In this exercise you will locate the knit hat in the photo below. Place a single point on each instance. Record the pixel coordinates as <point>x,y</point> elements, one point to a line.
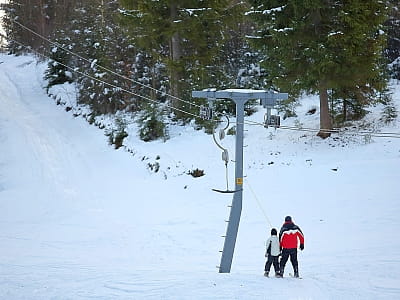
<point>288,219</point>
<point>273,231</point>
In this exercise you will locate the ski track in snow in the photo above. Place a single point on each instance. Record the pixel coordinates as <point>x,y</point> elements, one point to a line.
<point>79,220</point>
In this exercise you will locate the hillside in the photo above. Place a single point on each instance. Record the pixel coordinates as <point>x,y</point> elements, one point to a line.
<point>81,220</point>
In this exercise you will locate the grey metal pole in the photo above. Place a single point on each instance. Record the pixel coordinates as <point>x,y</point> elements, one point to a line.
<point>240,97</point>
<point>236,209</point>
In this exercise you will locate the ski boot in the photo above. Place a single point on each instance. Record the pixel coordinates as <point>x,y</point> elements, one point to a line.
<point>296,273</point>
<point>266,274</point>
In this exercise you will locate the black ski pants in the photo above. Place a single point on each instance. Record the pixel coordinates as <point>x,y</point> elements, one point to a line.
<point>272,260</point>
<point>292,252</point>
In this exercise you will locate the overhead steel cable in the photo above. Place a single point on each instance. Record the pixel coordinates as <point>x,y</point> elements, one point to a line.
<point>102,81</point>
<point>111,71</point>
<point>375,134</point>
<point>335,130</point>
<point>258,203</point>
<point>101,67</point>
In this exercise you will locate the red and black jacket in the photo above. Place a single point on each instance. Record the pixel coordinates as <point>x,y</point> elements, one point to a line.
<point>289,236</point>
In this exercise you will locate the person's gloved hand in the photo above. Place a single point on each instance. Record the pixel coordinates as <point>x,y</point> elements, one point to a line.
<point>301,247</point>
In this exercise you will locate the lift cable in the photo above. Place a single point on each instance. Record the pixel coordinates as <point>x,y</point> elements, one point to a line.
<point>374,134</point>
<point>335,130</point>
<point>101,67</point>
<point>104,82</point>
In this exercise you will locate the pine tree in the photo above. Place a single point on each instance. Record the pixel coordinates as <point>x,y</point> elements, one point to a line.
<point>57,71</point>
<point>39,16</point>
<point>152,123</point>
<point>102,49</point>
<point>321,45</point>
<point>186,36</point>
<point>392,52</point>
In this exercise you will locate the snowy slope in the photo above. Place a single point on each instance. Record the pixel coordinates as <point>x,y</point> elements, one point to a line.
<point>80,220</point>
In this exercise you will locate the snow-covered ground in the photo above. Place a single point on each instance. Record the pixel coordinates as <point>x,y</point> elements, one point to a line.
<point>81,220</point>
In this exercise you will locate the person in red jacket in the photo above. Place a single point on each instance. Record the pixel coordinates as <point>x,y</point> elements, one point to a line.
<point>289,237</point>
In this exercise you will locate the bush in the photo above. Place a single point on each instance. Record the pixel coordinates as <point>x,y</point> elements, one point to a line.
<point>57,72</point>
<point>151,125</point>
<point>119,138</point>
<point>231,131</point>
<point>196,173</point>
<point>116,136</point>
<point>389,114</point>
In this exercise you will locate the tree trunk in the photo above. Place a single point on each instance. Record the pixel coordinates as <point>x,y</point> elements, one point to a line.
<point>176,54</point>
<point>325,119</point>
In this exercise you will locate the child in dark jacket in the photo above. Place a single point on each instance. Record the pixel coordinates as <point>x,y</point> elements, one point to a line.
<point>272,253</point>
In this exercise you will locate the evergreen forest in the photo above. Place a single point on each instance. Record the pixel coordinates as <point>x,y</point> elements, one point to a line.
<point>144,58</point>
